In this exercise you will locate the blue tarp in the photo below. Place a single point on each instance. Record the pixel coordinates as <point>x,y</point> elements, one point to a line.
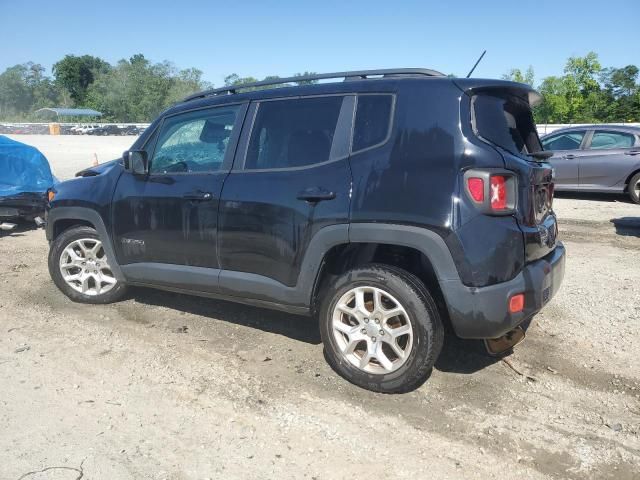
<point>23,169</point>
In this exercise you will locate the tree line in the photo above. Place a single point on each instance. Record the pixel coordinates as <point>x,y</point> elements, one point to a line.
<point>586,92</point>
<point>137,90</point>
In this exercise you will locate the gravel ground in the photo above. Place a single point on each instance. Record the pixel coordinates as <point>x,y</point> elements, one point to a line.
<point>163,386</point>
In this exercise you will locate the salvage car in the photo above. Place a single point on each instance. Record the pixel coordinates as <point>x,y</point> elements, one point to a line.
<point>596,158</point>
<point>106,130</point>
<point>386,206</point>
<point>25,178</point>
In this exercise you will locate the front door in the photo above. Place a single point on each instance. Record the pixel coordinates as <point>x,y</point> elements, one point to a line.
<point>292,178</point>
<point>170,216</point>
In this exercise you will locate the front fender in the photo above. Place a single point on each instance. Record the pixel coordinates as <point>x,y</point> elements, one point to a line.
<point>87,215</point>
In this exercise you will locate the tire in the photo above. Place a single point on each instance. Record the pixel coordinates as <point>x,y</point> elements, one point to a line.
<point>634,188</point>
<point>342,326</point>
<point>79,254</point>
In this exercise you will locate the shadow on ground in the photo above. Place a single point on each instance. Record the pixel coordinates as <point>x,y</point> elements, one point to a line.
<point>627,226</point>
<point>458,355</point>
<point>300,328</point>
<point>463,356</point>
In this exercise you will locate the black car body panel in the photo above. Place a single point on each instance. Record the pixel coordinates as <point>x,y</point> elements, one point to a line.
<point>262,236</point>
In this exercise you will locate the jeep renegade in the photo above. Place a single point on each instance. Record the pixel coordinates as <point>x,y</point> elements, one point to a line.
<point>387,205</point>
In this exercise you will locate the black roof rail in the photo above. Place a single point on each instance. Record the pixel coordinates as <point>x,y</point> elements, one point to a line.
<point>355,75</point>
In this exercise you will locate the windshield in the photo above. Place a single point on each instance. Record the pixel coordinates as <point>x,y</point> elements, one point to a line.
<point>506,121</point>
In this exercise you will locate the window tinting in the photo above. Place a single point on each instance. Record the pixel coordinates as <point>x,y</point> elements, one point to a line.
<point>293,133</point>
<point>194,142</point>
<point>373,116</point>
<point>564,141</point>
<point>507,122</point>
<point>604,140</point>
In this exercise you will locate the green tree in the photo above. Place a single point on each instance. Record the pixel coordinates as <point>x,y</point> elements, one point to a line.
<point>586,93</point>
<point>75,74</point>
<point>622,93</point>
<point>23,89</point>
<point>584,71</point>
<point>305,82</point>
<point>137,90</point>
<point>185,83</point>
<point>516,75</point>
<point>235,79</point>
<point>554,107</point>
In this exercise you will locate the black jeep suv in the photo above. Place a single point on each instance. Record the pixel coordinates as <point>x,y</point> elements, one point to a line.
<point>386,204</point>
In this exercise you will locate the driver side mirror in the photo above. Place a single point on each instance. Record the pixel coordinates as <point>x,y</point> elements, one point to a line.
<point>136,162</point>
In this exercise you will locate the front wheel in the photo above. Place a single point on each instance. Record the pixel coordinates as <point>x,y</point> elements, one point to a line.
<point>380,328</point>
<point>634,188</point>
<point>79,267</point>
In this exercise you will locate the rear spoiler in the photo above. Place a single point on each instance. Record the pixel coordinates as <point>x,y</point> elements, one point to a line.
<point>472,86</point>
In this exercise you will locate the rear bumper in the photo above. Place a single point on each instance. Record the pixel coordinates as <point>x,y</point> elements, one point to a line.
<point>484,313</point>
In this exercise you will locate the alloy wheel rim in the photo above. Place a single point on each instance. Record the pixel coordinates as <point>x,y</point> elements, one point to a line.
<point>372,330</point>
<point>85,268</point>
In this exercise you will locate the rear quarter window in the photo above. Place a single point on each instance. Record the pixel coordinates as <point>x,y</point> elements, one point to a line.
<point>373,120</point>
<point>603,140</point>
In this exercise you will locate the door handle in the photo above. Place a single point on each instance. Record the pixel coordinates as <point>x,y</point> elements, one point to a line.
<point>198,196</point>
<point>315,195</point>
<point>569,156</point>
<point>633,152</point>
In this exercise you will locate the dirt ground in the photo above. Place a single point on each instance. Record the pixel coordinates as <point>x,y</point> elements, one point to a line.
<point>163,386</point>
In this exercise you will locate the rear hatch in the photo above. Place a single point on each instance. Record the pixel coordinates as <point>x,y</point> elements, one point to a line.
<point>502,117</point>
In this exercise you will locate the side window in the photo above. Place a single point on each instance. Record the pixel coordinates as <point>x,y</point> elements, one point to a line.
<point>564,141</point>
<point>603,140</point>
<point>194,142</point>
<point>373,119</point>
<point>293,133</point>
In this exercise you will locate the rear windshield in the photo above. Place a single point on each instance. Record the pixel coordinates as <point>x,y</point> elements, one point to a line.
<point>507,122</point>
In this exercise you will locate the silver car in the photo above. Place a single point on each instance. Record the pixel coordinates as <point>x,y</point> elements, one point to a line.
<point>596,158</point>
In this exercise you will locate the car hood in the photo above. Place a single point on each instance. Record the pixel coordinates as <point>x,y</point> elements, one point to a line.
<point>98,169</point>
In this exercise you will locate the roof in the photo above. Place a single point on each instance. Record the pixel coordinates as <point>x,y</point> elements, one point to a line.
<point>388,84</point>
<point>351,75</point>
<point>72,112</point>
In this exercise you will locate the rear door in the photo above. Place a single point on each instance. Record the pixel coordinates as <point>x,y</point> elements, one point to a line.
<point>608,158</point>
<point>567,150</point>
<point>170,216</point>
<point>291,178</point>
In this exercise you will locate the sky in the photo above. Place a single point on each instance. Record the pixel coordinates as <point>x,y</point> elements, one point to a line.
<point>259,38</point>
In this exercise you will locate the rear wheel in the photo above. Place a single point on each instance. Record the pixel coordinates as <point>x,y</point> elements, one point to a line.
<point>634,188</point>
<point>380,328</point>
<point>79,267</point>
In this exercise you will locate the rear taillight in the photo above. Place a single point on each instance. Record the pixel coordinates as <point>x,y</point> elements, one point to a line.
<point>498,192</point>
<point>476,189</point>
<point>493,191</point>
